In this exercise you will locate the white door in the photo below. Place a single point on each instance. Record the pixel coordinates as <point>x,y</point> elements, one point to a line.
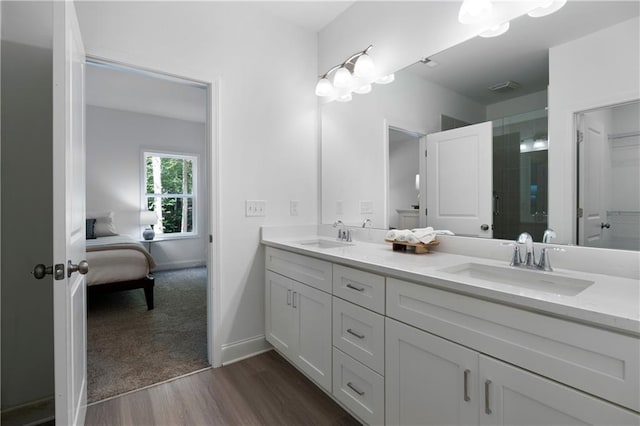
<point>312,310</point>
<point>515,397</point>
<point>459,180</point>
<point>69,309</point>
<point>592,149</point>
<point>428,380</point>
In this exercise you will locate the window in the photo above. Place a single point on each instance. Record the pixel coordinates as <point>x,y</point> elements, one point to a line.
<point>170,188</point>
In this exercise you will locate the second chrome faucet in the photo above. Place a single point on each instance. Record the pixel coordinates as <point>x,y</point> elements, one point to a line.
<point>529,261</point>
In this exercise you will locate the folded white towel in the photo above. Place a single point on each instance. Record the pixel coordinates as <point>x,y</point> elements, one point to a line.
<point>412,238</point>
<point>444,232</point>
<point>391,235</point>
<point>425,235</point>
<point>403,235</point>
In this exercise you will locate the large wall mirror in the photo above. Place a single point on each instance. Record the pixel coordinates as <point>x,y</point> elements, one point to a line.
<point>377,160</point>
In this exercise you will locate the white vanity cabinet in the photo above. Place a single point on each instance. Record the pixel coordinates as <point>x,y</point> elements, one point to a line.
<point>432,381</point>
<point>297,315</point>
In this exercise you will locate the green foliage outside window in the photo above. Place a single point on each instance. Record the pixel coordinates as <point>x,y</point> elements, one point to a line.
<point>169,184</point>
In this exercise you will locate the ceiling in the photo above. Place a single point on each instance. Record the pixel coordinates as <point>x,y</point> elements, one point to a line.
<point>520,55</point>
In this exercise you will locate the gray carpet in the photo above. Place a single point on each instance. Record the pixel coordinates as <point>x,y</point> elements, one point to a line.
<point>129,347</point>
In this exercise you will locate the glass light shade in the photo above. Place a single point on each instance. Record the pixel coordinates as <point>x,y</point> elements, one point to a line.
<point>148,217</point>
<point>496,30</point>
<point>474,11</point>
<point>364,67</point>
<point>324,87</point>
<point>362,89</point>
<point>344,97</point>
<point>386,79</point>
<point>342,79</point>
<point>547,8</point>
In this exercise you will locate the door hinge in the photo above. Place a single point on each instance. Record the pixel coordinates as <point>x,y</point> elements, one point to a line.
<point>425,152</point>
<point>580,136</point>
<point>426,212</point>
<point>580,212</point>
<point>210,238</point>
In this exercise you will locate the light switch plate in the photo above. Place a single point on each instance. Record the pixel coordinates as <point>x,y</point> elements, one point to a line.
<point>339,207</point>
<point>293,207</point>
<point>255,208</point>
<point>366,207</point>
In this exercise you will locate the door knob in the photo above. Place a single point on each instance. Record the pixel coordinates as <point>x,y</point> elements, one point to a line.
<point>484,227</point>
<point>605,225</point>
<point>40,270</point>
<point>82,267</point>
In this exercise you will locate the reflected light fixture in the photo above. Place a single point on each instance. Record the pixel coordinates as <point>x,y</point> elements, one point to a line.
<point>355,75</point>
<point>474,11</point>
<point>496,30</point>
<point>547,8</point>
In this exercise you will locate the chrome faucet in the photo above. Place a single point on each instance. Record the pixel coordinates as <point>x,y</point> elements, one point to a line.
<point>530,260</point>
<point>364,222</point>
<point>530,257</point>
<point>343,233</point>
<point>548,235</point>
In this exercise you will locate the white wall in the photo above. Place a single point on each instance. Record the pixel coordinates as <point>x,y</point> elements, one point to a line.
<point>597,70</point>
<point>519,105</point>
<point>27,229</point>
<point>268,142</point>
<point>354,141</point>
<point>115,142</point>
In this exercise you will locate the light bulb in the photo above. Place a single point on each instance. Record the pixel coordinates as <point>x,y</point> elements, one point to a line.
<point>364,67</point>
<point>474,11</point>
<point>496,30</point>
<point>547,8</point>
<point>386,79</point>
<point>342,79</point>
<point>324,87</point>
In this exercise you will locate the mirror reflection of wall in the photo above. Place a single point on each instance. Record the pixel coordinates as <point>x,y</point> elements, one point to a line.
<point>404,184</point>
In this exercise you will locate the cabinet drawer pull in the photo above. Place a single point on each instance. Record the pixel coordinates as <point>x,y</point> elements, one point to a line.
<point>294,299</point>
<point>351,286</point>
<point>288,297</point>
<point>355,389</point>
<point>355,333</point>
<point>487,398</point>
<point>466,385</point>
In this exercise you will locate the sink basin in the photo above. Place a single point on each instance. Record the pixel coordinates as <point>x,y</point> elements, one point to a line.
<point>324,244</point>
<point>534,280</point>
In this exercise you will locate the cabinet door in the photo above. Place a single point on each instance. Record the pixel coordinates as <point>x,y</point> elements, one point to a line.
<point>512,396</point>
<point>428,380</point>
<point>279,320</point>
<point>312,310</point>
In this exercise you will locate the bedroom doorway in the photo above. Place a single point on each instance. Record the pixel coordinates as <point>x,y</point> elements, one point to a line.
<point>133,118</point>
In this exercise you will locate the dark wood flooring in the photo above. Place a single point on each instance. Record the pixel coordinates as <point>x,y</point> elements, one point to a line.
<point>262,390</point>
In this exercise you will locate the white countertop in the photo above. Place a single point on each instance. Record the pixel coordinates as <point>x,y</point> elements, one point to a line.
<point>611,302</point>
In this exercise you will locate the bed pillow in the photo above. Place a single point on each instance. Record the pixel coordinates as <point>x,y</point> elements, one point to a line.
<point>91,229</point>
<point>104,226</point>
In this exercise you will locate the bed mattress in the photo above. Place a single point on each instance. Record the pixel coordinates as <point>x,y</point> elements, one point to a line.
<point>115,259</point>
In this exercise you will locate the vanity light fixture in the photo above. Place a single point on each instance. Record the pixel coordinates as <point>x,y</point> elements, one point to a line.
<point>496,30</point>
<point>547,8</point>
<point>355,75</point>
<point>474,11</point>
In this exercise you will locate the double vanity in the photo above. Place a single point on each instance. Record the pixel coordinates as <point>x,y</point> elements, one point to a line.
<point>444,338</point>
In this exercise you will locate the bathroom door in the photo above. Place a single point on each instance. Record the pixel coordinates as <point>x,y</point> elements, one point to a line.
<point>459,180</point>
<point>592,155</point>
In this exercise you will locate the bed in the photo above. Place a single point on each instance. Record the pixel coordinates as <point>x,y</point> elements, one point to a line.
<point>118,262</point>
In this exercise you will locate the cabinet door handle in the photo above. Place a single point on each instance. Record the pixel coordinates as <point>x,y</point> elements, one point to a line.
<point>351,286</point>
<point>355,389</point>
<point>288,297</point>
<point>487,397</point>
<point>466,385</point>
<point>355,333</point>
<point>294,299</point>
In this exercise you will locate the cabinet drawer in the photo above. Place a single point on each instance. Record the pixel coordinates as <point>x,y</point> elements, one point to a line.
<point>600,362</point>
<point>307,270</point>
<point>362,288</point>
<point>359,388</point>
<point>359,333</point>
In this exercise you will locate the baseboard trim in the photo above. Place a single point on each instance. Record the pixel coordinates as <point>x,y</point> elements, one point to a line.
<point>243,349</point>
<point>31,413</point>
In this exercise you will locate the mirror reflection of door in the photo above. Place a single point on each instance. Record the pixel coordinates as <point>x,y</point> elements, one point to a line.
<point>404,184</point>
<point>609,177</point>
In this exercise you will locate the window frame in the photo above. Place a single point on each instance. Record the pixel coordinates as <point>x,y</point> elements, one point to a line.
<point>144,196</point>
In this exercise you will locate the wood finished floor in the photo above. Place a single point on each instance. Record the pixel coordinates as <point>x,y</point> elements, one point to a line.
<point>262,390</point>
